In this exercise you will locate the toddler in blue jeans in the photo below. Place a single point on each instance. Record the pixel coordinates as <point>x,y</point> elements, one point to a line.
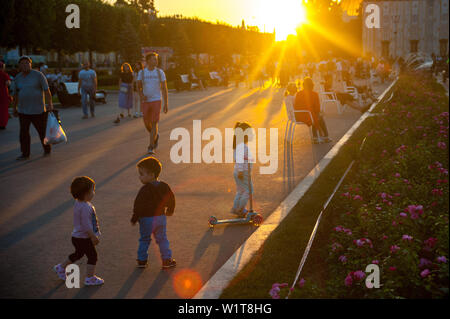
<point>153,203</point>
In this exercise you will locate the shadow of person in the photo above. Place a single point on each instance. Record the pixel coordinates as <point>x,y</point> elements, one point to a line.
<point>158,283</point>
<point>129,283</point>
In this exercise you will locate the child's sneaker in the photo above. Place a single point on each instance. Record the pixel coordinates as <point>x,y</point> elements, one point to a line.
<point>169,263</point>
<point>60,271</point>
<point>93,281</point>
<point>141,263</point>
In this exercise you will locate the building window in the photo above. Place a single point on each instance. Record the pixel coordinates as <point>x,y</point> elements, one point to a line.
<point>414,44</point>
<point>443,43</point>
<point>385,49</point>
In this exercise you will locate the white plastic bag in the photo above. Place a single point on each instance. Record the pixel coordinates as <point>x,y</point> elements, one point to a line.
<point>54,133</point>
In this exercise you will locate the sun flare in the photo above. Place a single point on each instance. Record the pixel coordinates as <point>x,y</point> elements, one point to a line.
<point>283,15</point>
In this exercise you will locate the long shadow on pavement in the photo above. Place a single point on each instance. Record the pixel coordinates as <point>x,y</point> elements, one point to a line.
<point>158,284</point>
<point>27,229</point>
<point>129,284</point>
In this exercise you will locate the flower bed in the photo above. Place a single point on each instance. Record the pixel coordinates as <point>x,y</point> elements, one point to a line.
<point>392,210</point>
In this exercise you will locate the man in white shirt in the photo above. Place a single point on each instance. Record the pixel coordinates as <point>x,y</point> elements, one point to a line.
<point>151,82</point>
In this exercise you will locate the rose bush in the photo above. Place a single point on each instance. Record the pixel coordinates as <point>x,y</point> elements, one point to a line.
<point>393,206</point>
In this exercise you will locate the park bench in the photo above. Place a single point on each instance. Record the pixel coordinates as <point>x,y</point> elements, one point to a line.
<point>67,93</point>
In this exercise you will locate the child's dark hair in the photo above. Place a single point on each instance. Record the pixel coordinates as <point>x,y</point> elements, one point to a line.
<point>151,165</point>
<point>80,186</point>
<point>243,126</point>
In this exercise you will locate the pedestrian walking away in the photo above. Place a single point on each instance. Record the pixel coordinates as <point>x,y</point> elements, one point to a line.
<point>151,82</point>
<point>30,88</point>
<point>87,86</point>
<point>125,91</point>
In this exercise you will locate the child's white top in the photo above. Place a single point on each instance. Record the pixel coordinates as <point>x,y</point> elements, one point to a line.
<point>242,156</point>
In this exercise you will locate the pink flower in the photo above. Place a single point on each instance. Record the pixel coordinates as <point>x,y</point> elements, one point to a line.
<point>274,293</point>
<point>430,242</point>
<point>397,175</point>
<point>407,237</point>
<point>437,191</point>
<point>403,215</point>
<point>335,246</point>
<point>423,262</point>
<point>376,261</point>
<point>384,237</point>
<point>361,242</point>
<point>442,259</point>
<point>348,280</point>
<point>397,194</point>
<point>357,197</point>
<point>414,211</point>
<point>392,268</point>
<point>338,229</point>
<point>394,249</point>
<point>301,283</point>
<point>359,274</point>
<point>441,145</point>
<point>425,273</point>
<point>343,259</point>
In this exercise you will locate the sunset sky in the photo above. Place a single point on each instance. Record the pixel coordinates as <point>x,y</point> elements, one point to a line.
<point>283,15</point>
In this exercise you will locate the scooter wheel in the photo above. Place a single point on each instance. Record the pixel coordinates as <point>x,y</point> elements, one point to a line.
<point>212,221</point>
<point>257,220</point>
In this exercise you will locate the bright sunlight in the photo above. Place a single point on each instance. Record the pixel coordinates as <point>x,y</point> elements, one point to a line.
<point>283,15</point>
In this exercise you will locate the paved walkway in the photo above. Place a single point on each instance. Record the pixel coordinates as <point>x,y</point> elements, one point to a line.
<point>36,206</point>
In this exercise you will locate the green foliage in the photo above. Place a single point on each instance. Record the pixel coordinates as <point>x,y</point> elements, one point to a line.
<point>123,27</point>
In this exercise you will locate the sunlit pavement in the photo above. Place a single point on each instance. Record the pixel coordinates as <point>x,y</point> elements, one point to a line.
<point>36,206</point>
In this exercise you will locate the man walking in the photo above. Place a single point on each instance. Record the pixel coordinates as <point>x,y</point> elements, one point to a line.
<point>151,82</point>
<point>31,86</point>
<point>87,86</point>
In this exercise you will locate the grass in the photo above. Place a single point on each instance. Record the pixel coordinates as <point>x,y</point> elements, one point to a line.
<point>278,259</point>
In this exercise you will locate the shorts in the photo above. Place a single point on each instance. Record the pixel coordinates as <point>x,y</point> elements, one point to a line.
<point>83,246</point>
<point>151,111</point>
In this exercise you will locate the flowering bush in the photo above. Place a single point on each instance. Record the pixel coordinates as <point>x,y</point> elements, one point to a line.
<point>393,207</point>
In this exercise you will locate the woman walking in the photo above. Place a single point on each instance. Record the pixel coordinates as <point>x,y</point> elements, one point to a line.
<point>125,91</point>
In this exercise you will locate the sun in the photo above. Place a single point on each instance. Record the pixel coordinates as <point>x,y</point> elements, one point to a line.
<point>282,15</point>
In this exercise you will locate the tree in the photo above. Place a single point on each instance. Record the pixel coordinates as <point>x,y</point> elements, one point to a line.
<point>130,47</point>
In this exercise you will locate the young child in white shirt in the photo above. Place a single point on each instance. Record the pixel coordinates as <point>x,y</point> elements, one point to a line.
<point>242,167</point>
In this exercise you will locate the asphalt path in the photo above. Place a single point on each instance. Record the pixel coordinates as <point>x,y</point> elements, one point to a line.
<point>36,205</point>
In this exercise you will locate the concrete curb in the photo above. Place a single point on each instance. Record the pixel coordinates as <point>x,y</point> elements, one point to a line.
<point>220,280</point>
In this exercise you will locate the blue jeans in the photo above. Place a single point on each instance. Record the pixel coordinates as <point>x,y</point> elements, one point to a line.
<point>157,226</point>
<point>85,91</point>
<point>243,190</point>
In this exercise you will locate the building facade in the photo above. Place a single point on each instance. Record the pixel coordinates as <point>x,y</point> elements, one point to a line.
<point>406,26</point>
